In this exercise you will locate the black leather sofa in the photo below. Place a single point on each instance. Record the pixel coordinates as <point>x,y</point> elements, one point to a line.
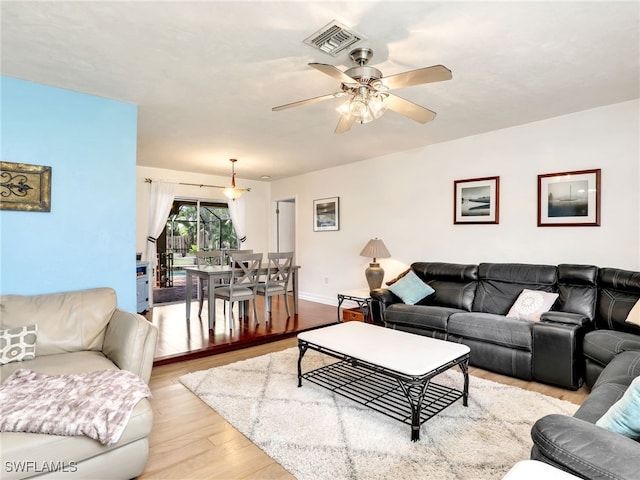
<point>470,304</point>
<point>612,351</point>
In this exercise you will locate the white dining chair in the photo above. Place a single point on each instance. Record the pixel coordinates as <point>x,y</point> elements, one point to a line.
<point>242,284</point>
<point>204,258</point>
<point>277,280</point>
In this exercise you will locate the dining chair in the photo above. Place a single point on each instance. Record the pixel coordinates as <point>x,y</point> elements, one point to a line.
<point>204,258</point>
<point>276,280</point>
<point>242,284</point>
<point>229,253</point>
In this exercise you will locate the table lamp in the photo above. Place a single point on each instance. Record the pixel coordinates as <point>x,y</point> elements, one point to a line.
<point>374,248</point>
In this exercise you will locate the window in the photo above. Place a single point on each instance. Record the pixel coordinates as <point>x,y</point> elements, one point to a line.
<point>192,225</point>
<point>199,225</point>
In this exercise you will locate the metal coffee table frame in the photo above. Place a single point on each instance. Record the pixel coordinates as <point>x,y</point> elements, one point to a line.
<point>410,399</point>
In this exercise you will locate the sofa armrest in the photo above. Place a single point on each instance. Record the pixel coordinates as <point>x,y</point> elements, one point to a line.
<point>384,297</point>
<point>584,449</point>
<point>130,343</point>
<point>566,317</point>
<point>557,353</point>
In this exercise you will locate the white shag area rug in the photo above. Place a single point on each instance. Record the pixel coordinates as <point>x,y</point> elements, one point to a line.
<point>316,434</point>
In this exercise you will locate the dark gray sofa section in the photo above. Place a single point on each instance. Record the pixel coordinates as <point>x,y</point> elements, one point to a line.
<point>612,351</point>
<point>470,304</point>
<point>618,291</point>
<point>576,445</point>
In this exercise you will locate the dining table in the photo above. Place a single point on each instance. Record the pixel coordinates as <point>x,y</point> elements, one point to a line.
<point>213,274</point>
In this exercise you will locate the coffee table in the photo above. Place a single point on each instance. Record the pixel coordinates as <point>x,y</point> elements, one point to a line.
<point>387,370</point>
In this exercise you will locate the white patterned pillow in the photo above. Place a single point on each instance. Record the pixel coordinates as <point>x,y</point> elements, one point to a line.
<point>18,344</point>
<point>530,304</point>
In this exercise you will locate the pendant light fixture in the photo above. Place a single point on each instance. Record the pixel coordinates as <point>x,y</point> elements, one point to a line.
<point>232,192</point>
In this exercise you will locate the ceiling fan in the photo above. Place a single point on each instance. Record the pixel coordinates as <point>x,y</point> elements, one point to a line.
<point>369,91</point>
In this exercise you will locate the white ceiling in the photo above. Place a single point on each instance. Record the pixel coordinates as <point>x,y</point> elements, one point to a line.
<point>205,74</point>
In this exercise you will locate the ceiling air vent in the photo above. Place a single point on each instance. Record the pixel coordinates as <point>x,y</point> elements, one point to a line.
<point>334,38</point>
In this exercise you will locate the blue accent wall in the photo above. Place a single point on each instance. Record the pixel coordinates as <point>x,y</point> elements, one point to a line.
<point>88,238</point>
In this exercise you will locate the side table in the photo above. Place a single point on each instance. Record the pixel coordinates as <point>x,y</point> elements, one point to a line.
<point>362,297</point>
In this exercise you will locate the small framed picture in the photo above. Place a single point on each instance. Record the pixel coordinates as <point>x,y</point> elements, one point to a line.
<point>476,200</point>
<point>569,199</point>
<point>326,214</point>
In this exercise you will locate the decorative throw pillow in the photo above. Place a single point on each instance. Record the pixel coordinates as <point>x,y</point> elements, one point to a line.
<point>18,344</point>
<point>634,314</point>
<point>623,417</point>
<point>530,304</point>
<point>411,289</point>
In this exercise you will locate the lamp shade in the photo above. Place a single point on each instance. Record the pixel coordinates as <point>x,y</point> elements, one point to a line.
<point>375,248</point>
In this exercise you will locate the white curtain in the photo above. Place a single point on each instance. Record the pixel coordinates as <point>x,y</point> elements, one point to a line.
<point>161,195</point>
<point>238,217</point>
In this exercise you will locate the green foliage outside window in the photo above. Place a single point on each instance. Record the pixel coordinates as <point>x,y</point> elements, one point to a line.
<point>215,228</point>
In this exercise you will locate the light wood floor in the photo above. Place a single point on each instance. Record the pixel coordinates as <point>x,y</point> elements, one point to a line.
<point>189,440</point>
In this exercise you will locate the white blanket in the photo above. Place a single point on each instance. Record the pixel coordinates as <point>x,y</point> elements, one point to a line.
<point>97,404</point>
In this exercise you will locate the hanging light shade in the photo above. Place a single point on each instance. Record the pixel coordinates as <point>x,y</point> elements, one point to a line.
<point>232,192</point>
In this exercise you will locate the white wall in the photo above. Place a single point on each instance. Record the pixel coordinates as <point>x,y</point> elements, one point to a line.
<point>257,202</point>
<point>407,200</point>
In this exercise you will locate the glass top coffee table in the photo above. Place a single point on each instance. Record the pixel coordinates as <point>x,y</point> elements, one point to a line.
<point>387,370</point>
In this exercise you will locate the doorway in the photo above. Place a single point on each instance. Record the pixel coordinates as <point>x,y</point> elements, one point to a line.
<point>285,225</point>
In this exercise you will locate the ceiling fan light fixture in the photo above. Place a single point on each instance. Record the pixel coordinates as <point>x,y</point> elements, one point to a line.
<point>376,106</point>
<point>358,106</point>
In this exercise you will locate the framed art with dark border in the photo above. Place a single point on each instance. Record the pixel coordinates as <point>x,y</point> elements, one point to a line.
<point>25,187</point>
<point>476,200</point>
<point>569,199</point>
<point>326,214</point>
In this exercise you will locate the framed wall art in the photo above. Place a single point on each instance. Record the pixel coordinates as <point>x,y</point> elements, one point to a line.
<point>476,200</point>
<point>25,187</point>
<point>326,214</point>
<point>569,199</point>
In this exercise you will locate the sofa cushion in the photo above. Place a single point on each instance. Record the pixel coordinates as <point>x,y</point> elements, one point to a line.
<point>421,316</point>
<point>599,401</point>
<point>577,286</point>
<point>623,417</point>
<point>618,292</point>
<point>18,344</point>
<point>531,304</point>
<point>454,284</point>
<point>500,284</point>
<point>67,322</point>
<point>602,346</point>
<point>610,386</point>
<point>410,289</point>
<point>490,328</point>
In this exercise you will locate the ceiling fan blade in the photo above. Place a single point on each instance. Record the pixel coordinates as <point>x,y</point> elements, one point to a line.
<point>409,109</point>
<point>345,123</point>
<point>308,100</point>
<point>436,73</point>
<point>333,72</point>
